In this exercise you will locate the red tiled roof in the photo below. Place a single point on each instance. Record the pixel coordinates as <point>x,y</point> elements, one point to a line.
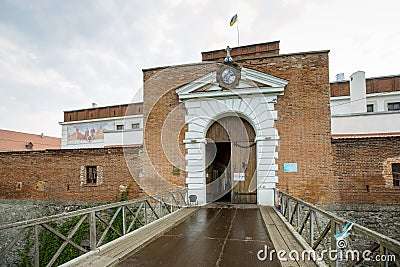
<point>17,141</point>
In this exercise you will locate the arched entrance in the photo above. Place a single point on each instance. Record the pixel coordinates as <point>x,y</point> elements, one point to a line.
<point>254,98</point>
<point>231,161</point>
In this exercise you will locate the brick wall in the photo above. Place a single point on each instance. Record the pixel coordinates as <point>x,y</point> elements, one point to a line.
<point>340,88</point>
<point>55,174</point>
<point>362,170</point>
<point>383,84</point>
<point>164,123</point>
<point>303,122</point>
<point>248,51</point>
<point>103,112</point>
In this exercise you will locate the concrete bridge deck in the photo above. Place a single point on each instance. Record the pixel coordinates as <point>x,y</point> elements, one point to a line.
<point>216,235</point>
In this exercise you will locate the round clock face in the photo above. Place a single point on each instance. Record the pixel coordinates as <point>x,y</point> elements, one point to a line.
<point>228,76</point>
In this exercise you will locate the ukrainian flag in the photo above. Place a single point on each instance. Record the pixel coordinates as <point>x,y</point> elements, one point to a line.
<point>233,20</point>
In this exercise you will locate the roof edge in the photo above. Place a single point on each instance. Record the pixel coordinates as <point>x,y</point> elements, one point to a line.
<point>178,65</point>
<point>117,105</point>
<point>364,136</point>
<point>71,149</point>
<point>238,60</point>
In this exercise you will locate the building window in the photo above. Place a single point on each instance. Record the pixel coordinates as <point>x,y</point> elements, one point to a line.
<point>91,174</point>
<point>120,127</point>
<point>396,174</point>
<point>370,108</point>
<point>393,106</point>
<point>135,125</point>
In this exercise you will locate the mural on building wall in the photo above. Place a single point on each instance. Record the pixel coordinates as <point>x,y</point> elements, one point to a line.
<point>88,132</point>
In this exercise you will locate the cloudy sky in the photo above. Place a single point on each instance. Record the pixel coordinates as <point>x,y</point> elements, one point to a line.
<point>58,55</point>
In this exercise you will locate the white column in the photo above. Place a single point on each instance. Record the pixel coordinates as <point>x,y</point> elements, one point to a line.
<point>195,162</point>
<point>266,171</point>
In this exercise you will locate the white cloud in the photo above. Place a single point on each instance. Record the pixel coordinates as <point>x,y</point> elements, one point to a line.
<point>57,56</point>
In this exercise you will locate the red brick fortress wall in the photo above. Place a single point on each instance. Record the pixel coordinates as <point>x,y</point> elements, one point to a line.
<point>248,51</point>
<point>363,170</point>
<point>55,174</point>
<point>164,124</point>
<point>304,123</point>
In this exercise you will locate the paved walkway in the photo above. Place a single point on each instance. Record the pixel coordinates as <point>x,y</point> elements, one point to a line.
<point>213,236</point>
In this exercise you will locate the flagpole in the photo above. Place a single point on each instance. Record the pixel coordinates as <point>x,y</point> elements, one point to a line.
<point>233,21</point>
<point>237,27</point>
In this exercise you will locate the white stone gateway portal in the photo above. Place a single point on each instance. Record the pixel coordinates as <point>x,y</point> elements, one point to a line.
<point>253,99</point>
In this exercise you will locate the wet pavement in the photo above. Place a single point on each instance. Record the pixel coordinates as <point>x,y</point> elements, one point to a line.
<point>225,236</point>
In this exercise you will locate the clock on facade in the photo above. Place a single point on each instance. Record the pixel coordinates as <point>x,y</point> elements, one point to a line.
<point>228,76</point>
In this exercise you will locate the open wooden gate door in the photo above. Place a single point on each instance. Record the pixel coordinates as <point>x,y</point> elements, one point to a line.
<point>234,164</point>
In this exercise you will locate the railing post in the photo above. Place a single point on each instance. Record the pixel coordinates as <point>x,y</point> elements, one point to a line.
<point>92,230</point>
<point>170,201</point>
<point>312,228</point>
<point>161,207</point>
<point>36,245</point>
<point>283,205</point>
<point>123,221</point>
<point>289,207</point>
<point>383,253</point>
<point>298,214</point>
<point>333,263</point>
<point>145,212</point>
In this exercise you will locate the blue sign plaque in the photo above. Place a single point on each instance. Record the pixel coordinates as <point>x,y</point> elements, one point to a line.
<point>289,167</point>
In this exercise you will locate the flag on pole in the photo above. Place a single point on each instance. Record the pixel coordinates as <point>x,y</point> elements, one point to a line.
<point>233,20</point>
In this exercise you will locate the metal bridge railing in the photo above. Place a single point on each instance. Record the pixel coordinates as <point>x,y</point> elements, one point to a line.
<point>362,246</point>
<point>96,226</point>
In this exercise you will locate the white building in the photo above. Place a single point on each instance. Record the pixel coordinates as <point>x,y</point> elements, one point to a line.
<point>99,127</point>
<point>365,106</point>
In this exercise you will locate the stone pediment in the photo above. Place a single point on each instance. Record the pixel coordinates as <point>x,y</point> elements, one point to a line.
<point>250,82</point>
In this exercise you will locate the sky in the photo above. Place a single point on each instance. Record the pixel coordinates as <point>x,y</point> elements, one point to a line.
<point>58,55</point>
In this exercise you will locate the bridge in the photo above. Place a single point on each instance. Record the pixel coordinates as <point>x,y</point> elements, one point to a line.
<point>172,230</point>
